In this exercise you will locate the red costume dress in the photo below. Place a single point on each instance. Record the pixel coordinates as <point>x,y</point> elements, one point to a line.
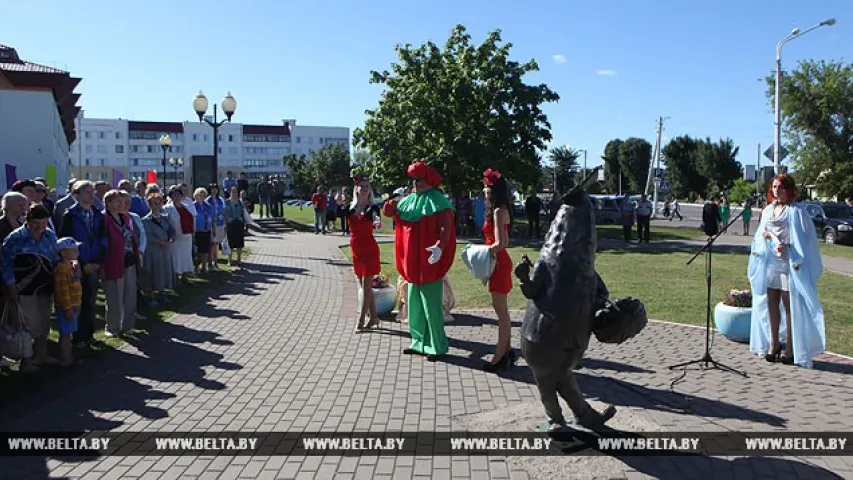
<point>365,250</point>
<point>501,279</point>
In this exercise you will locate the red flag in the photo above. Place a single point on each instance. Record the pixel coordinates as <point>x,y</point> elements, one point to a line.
<point>152,176</point>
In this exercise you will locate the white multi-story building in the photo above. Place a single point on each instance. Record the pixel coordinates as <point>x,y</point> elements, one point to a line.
<point>37,111</point>
<point>112,149</point>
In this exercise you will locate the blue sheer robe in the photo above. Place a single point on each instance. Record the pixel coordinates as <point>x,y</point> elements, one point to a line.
<point>804,269</point>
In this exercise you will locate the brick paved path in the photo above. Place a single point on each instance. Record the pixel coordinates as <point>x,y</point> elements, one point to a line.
<point>274,351</point>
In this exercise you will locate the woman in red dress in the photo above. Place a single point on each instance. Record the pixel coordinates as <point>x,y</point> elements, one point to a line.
<point>496,230</point>
<point>363,217</point>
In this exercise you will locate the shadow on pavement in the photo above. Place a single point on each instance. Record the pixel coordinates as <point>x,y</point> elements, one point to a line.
<point>170,354</point>
<point>608,389</point>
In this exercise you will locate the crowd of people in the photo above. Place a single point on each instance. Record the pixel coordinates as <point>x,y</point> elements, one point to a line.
<point>134,242</point>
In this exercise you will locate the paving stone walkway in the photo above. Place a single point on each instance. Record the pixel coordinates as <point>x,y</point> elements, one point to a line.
<point>273,351</point>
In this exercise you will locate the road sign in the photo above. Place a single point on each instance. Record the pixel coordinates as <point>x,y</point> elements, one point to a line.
<point>782,153</point>
<point>658,172</point>
<point>664,187</point>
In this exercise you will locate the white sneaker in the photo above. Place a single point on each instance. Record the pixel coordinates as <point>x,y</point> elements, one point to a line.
<point>4,362</point>
<point>109,334</point>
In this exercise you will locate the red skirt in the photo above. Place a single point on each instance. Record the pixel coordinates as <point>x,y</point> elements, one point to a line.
<point>501,279</point>
<point>365,257</point>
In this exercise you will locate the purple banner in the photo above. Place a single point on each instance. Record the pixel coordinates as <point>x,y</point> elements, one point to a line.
<point>11,176</point>
<point>117,177</point>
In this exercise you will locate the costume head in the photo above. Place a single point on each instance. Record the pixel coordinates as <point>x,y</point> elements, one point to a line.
<point>425,177</point>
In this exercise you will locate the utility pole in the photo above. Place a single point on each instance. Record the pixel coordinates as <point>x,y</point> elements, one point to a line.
<point>653,165</point>
<point>758,169</point>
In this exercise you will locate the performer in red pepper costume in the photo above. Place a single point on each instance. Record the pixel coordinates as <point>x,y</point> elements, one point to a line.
<point>425,246</point>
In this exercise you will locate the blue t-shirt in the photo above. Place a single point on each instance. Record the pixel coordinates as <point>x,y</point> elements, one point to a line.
<point>479,211</point>
<point>204,216</point>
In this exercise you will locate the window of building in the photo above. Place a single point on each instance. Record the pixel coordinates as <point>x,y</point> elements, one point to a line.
<point>88,176</point>
<point>298,139</point>
<point>87,162</point>
<point>220,137</point>
<point>195,137</point>
<point>134,162</point>
<point>177,149</point>
<point>118,135</point>
<point>102,176</point>
<point>220,150</point>
<point>205,137</point>
<point>86,134</point>
<point>88,149</point>
<point>150,148</point>
<point>102,134</point>
<point>103,162</point>
<point>143,135</point>
<point>119,148</point>
<point>310,140</point>
<point>230,138</point>
<point>102,149</point>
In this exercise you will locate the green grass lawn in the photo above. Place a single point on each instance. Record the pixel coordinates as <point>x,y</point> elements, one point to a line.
<point>14,384</point>
<point>305,216</point>
<point>840,251</point>
<point>670,289</point>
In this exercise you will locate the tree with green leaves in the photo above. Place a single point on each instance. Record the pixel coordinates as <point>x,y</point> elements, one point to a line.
<point>463,108</point>
<point>612,167</point>
<point>741,190</point>
<point>329,167</point>
<point>679,156</point>
<point>301,176</point>
<point>717,163</point>
<point>635,156</point>
<point>817,116</point>
<point>565,160</point>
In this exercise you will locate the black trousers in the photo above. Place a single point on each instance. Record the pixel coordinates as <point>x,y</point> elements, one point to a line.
<point>626,231</point>
<point>533,226</point>
<point>643,227</point>
<point>86,319</point>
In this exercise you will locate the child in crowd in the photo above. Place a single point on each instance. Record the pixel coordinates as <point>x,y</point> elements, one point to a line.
<point>68,294</point>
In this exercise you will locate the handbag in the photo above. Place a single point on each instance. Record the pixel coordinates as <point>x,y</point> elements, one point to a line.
<point>15,342</point>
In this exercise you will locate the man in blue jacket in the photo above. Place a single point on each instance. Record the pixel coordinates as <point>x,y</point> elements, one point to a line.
<point>86,225</point>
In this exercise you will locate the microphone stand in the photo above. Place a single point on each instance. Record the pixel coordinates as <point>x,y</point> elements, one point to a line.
<point>706,358</point>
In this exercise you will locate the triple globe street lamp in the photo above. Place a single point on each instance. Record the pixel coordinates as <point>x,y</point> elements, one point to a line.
<point>166,144</point>
<point>777,124</point>
<point>176,163</point>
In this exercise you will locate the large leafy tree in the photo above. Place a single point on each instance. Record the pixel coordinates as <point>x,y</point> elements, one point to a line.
<point>679,156</point>
<point>463,108</point>
<point>717,164</point>
<point>612,168</point>
<point>328,167</point>
<point>635,156</point>
<point>817,115</point>
<point>565,160</point>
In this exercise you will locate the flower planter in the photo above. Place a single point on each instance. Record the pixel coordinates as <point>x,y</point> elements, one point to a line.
<point>733,322</point>
<point>385,299</point>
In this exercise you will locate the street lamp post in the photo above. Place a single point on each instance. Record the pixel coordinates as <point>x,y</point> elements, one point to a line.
<point>176,163</point>
<point>166,145</point>
<point>777,123</point>
<point>229,106</point>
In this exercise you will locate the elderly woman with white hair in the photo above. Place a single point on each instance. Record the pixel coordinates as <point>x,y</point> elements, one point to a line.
<point>15,206</point>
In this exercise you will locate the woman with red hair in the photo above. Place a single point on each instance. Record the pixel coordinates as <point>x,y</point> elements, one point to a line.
<point>784,268</point>
<point>496,231</point>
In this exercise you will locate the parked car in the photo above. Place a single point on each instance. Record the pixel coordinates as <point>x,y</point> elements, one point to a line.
<point>608,208</point>
<point>833,221</point>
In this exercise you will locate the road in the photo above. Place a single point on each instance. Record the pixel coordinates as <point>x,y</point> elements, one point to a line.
<point>692,214</point>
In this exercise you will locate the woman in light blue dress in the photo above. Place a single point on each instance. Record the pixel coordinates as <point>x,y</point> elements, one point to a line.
<point>784,267</point>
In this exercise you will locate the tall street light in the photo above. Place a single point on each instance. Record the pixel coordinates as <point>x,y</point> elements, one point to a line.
<point>777,124</point>
<point>176,163</point>
<point>229,105</point>
<point>166,145</point>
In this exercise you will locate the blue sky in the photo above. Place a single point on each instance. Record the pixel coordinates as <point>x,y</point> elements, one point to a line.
<point>617,64</point>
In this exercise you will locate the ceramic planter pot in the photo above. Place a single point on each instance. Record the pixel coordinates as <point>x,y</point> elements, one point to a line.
<point>385,299</point>
<point>733,322</point>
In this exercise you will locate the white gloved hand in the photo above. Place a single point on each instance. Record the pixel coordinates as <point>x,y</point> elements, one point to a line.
<point>436,254</point>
